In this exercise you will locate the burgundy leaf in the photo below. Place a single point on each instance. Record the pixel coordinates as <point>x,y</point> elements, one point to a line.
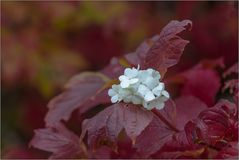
<point>104,152</point>
<point>177,149</point>
<point>162,51</point>
<point>181,148</point>
<point>169,112</point>
<point>109,123</point>
<point>231,70</point>
<point>229,152</point>
<point>100,98</point>
<point>83,90</point>
<point>125,149</point>
<point>187,154</point>
<point>114,69</point>
<point>201,83</point>
<point>215,126</point>
<point>232,83</point>
<point>188,107</point>
<point>58,140</point>
<point>164,127</point>
<point>159,132</point>
<point>211,64</point>
<point>155,135</point>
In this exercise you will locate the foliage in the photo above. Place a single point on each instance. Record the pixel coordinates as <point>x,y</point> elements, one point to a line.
<point>46,43</point>
<point>193,125</point>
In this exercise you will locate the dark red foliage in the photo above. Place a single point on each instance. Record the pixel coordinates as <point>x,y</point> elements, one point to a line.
<point>232,84</point>
<point>104,44</point>
<point>22,152</point>
<point>162,51</point>
<point>216,126</point>
<point>202,83</point>
<point>58,140</point>
<point>231,70</point>
<point>179,147</point>
<point>114,69</point>
<point>81,91</point>
<point>188,107</point>
<point>153,138</point>
<point>190,126</point>
<point>215,31</point>
<point>109,123</point>
<point>229,152</point>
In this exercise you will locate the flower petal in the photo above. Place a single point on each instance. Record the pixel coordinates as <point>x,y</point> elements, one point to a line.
<point>148,105</point>
<point>133,81</point>
<point>136,100</point>
<point>149,96</point>
<point>123,78</point>
<point>124,84</point>
<point>131,73</point>
<point>142,90</point>
<point>115,87</point>
<point>165,93</point>
<point>114,99</point>
<point>150,82</point>
<point>150,71</point>
<point>127,99</point>
<point>111,92</point>
<point>156,75</point>
<point>158,90</point>
<point>124,92</point>
<point>160,106</point>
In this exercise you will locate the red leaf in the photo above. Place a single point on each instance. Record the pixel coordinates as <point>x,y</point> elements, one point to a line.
<point>179,147</point>
<point>114,69</point>
<point>201,83</point>
<point>58,140</point>
<point>168,114</point>
<point>188,107</point>
<point>81,91</point>
<point>162,51</point>
<point>232,83</point>
<point>103,152</point>
<point>100,98</point>
<point>229,152</point>
<point>22,152</point>
<point>155,135</point>
<point>171,119</point>
<point>211,64</point>
<point>215,126</point>
<point>109,123</point>
<point>231,70</point>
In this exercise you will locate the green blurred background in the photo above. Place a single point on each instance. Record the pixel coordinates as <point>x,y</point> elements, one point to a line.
<point>45,43</point>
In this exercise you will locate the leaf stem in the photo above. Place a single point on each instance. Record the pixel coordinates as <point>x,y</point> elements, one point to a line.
<point>161,117</point>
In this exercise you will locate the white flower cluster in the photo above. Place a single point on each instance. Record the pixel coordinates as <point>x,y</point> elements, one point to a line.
<point>140,87</point>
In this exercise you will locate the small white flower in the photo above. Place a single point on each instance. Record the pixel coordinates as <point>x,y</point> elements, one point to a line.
<point>140,87</point>
<point>142,90</point>
<point>149,96</point>
<point>150,82</point>
<point>136,100</point>
<point>125,81</point>
<point>158,90</point>
<point>165,93</point>
<point>131,73</point>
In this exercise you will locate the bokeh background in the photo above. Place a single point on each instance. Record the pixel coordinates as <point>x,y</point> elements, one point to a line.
<point>43,44</point>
